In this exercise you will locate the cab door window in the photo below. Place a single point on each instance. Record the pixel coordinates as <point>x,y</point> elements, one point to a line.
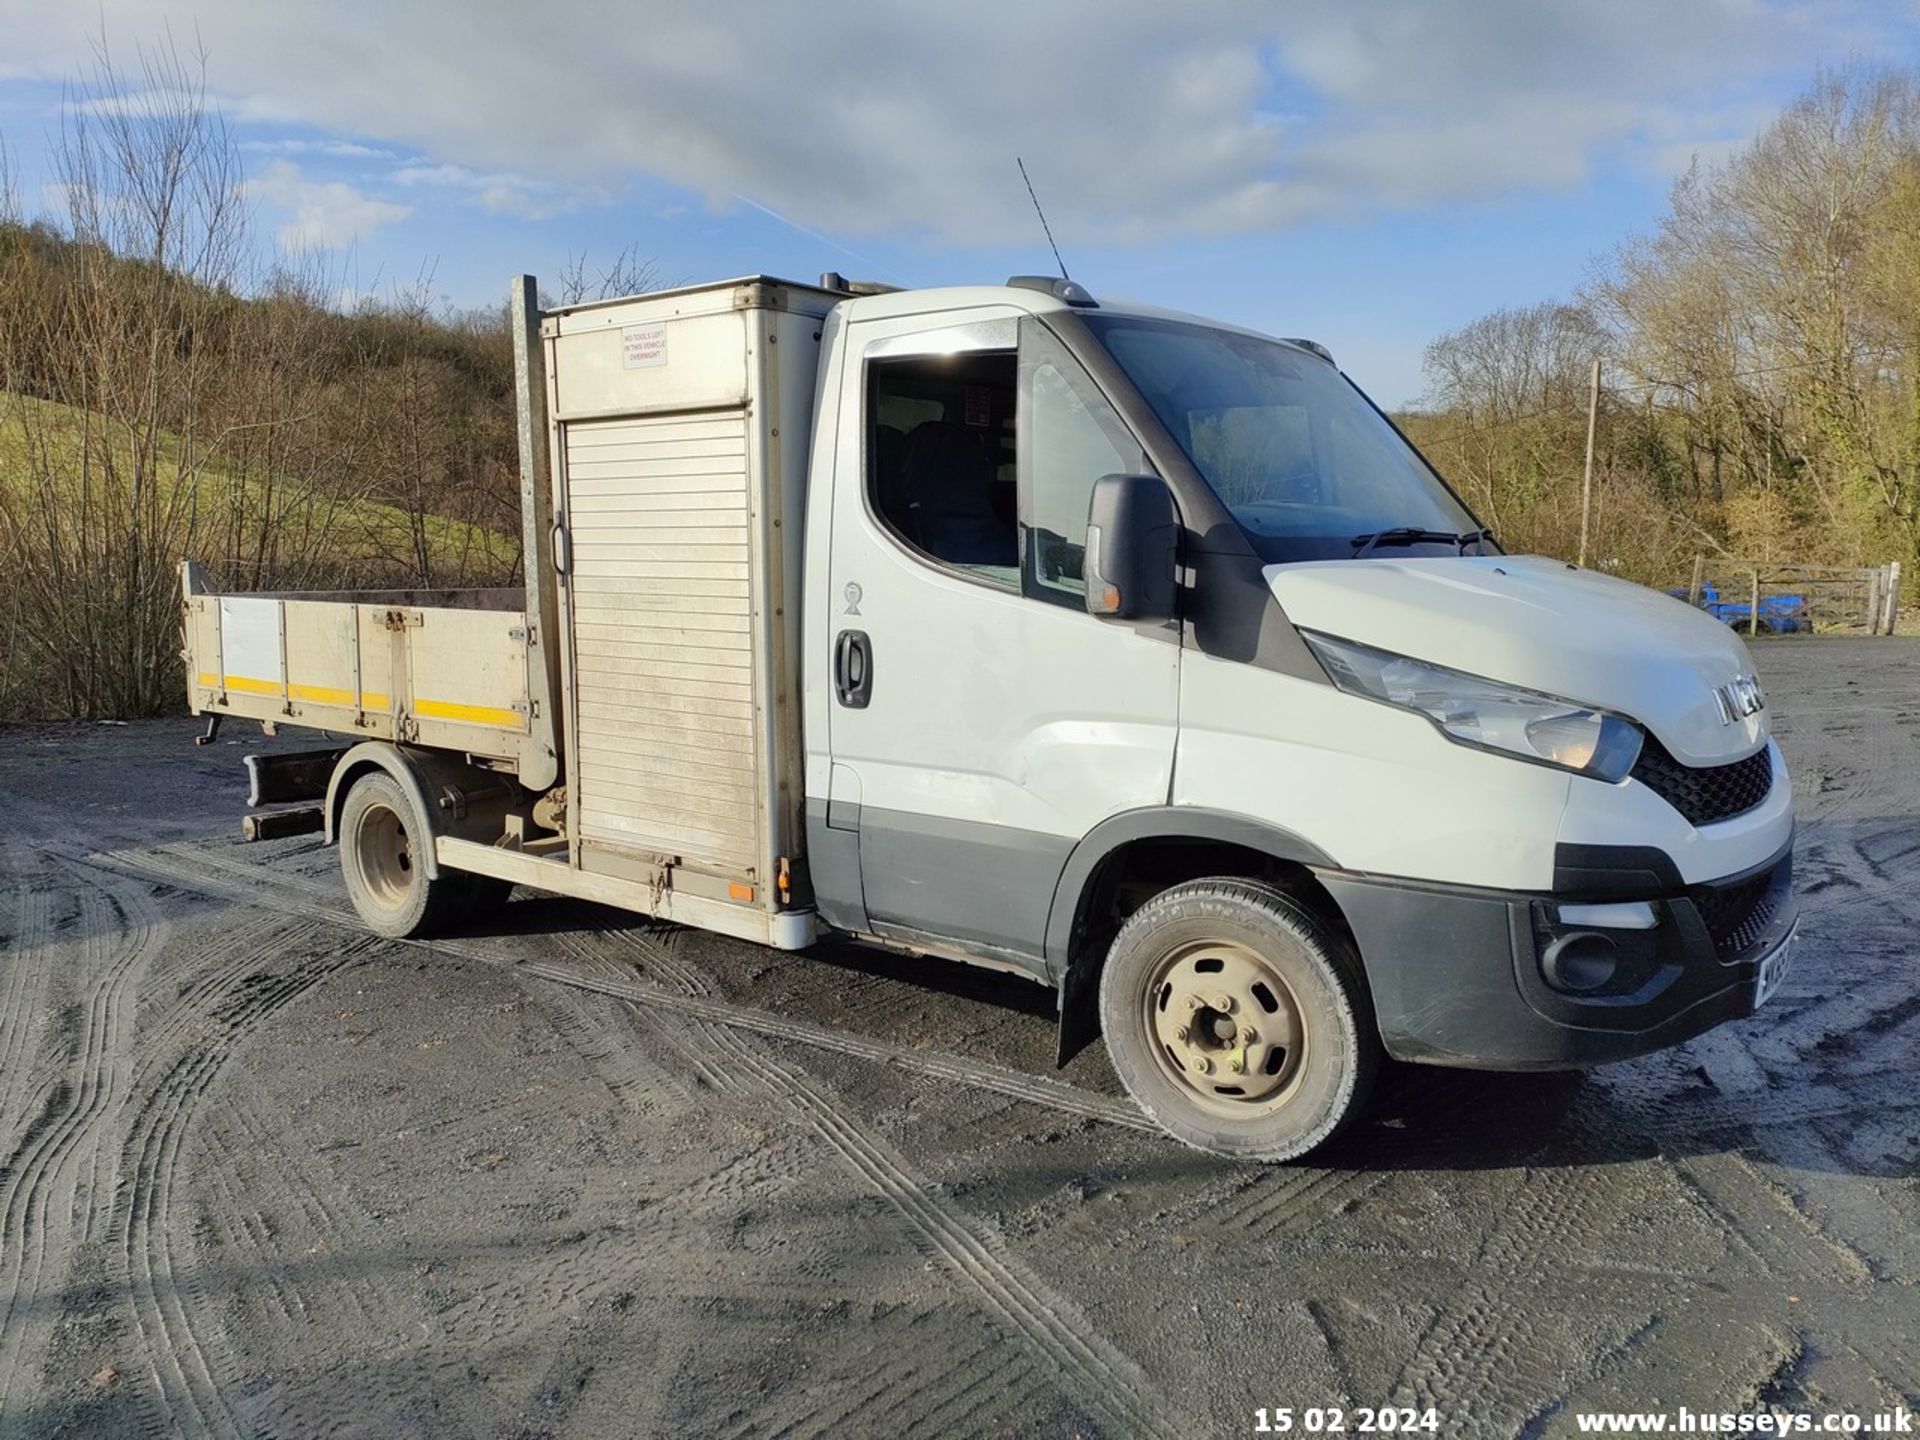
<point>940,455</point>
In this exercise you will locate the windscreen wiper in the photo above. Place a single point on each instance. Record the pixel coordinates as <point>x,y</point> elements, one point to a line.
<point>1364,545</point>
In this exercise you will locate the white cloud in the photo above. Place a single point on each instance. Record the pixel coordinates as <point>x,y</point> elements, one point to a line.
<point>1139,120</point>
<point>500,192</point>
<point>253,109</point>
<point>330,149</point>
<point>322,214</point>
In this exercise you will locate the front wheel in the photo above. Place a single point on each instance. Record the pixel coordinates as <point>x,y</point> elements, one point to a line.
<point>1238,1020</point>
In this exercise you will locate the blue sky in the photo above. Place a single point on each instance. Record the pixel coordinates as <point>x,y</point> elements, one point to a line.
<point>1370,173</point>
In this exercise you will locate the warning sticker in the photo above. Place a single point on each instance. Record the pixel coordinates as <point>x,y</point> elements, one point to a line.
<point>979,405</point>
<point>643,346</point>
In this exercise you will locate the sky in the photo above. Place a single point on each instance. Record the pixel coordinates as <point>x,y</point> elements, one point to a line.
<point>1369,173</point>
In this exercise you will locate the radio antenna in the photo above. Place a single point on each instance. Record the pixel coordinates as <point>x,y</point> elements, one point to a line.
<point>1043,218</point>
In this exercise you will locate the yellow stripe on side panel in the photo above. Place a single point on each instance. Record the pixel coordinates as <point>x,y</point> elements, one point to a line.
<point>373,700</point>
<point>209,680</point>
<point>467,714</point>
<point>320,694</point>
<point>252,686</point>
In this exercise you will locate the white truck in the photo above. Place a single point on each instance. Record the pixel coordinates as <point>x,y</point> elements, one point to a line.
<point>1133,653</point>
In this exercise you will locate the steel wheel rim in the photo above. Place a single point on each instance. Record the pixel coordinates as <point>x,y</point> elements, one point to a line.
<point>384,855</point>
<point>1239,1059</point>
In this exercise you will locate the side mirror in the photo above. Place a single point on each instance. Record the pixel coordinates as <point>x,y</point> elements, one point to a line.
<point>1133,541</point>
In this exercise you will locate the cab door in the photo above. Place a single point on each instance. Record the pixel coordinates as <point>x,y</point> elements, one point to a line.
<point>980,721</point>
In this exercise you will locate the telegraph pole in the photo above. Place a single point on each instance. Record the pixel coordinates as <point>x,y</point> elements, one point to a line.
<point>1586,484</point>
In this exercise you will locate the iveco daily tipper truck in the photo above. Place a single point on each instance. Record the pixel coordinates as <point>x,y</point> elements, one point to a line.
<point>1131,652</point>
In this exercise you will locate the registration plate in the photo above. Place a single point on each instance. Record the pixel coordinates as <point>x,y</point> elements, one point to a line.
<point>1773,969</point>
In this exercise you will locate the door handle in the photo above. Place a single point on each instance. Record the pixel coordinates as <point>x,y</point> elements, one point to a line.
<point>853,668</point>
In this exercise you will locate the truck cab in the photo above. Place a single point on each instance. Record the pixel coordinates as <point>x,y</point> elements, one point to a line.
<point>1134,653</point>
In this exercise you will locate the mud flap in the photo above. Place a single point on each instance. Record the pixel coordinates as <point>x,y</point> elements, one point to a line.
<point>1079,1009</point>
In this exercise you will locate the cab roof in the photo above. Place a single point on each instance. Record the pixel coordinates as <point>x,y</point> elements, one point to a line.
<point>1023,294</point>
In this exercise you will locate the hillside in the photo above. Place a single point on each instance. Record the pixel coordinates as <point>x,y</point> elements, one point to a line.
<point>54,469</point>
<point>156,404</point>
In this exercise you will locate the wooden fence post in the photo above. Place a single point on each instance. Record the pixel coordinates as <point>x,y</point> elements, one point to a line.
<point>1893,595</point>
<point>1693,588</point>
<point>1753,614</point>
<point>1873,599</point>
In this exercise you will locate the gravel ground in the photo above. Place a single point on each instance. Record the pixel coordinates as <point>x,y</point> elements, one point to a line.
<point>587,1176</point>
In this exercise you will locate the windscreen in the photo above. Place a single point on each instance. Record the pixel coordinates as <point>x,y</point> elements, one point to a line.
<point>1306,466</point>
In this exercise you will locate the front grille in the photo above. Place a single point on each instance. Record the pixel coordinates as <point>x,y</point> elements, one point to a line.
<point>1736,915</point>
<point>1705,793</point>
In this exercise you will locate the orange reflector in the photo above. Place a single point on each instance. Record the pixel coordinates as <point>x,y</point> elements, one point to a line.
<point>740,892</point>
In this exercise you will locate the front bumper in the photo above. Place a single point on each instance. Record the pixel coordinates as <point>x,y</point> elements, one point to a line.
<point>1462,976</point>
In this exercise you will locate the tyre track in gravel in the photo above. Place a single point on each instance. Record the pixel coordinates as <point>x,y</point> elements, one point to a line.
<point>1100,1378</point>
<point>1477,1358</point>
<point>241,1132</point>
<point>169,1309</point>
<point>42,1182</point>
<point>630,1075</point>
<point>1763,1222</point>
<point>1770,1235</point>
<point>241,1228</point>
<point>206,968</point>
<point>1286,1201</point>
<point>933,1064</point>
<point>262,889</point>
<point>1097,1376</point>
<point>660,962</point>
<point>328,896</point>
<point>930,1385</point>
<point>23,983</point>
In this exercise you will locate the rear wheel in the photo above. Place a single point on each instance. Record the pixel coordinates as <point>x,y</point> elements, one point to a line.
<point>383,845</point>
<point>1238,1020</point>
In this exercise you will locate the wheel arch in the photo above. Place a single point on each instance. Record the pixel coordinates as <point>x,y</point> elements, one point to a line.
<point>1183,838</point>
<point>377,755</point>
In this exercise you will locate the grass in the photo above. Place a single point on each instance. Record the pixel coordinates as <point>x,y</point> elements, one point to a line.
<point>219,516</point>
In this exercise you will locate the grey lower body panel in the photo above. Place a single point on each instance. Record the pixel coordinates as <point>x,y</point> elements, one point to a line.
<point>958,880</point>
<point>833,866</point>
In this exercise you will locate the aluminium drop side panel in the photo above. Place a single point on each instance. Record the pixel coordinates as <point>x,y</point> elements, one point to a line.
<point>203,663</point>
<point>468,680</point>
<point>444,677</point>
<point>252,647</point>
<point>321,649</point>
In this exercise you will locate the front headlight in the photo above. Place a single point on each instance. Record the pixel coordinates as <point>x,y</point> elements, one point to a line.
<point>1485,713</point>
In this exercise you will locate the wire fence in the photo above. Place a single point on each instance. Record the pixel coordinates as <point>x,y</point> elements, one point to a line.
<point>1762,597</point>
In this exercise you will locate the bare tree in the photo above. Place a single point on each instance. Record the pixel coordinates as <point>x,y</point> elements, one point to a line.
<point>164,393</point>
<point>1763,347</point>
<point>629,274</point>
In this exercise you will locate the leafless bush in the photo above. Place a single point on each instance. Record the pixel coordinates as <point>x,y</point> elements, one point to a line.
<point>162,395</point>
<point>629,274</point>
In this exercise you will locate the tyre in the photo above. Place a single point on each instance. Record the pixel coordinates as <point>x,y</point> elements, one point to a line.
<point>1238,1020</point>
<point>382,848</point>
